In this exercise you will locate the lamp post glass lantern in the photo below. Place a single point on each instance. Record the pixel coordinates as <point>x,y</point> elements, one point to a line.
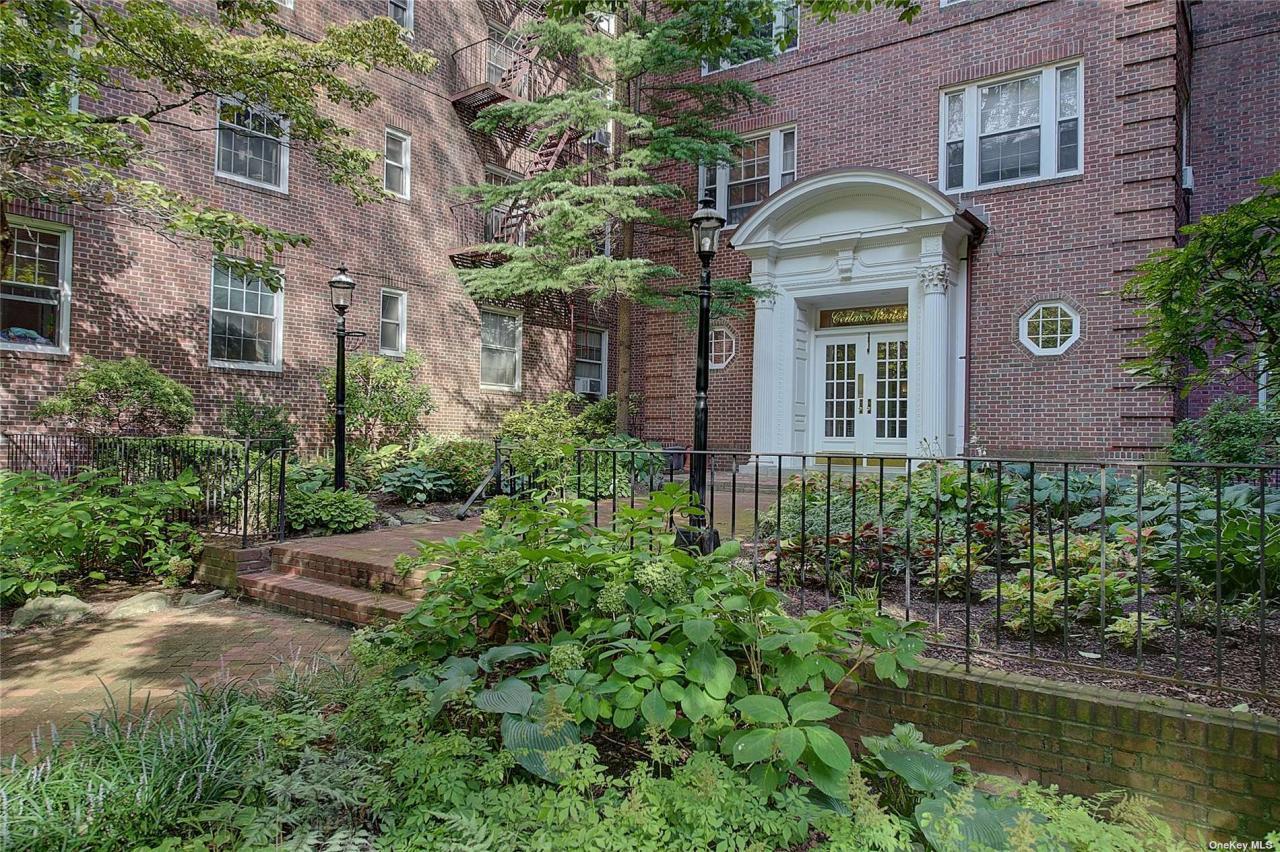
<point>705,225</point>
<point>341,288</point>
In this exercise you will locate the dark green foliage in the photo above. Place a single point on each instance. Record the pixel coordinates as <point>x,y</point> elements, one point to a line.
<point>417,483</point>
<point>126,397</point>
<point>386,400</point>
<point>1233,431</point>
<point>53,534</point>
<point>1212,305</point>
<point>259,421</point>
<point>690,647</point>
<point>464,460</point>
<point>327,511</point>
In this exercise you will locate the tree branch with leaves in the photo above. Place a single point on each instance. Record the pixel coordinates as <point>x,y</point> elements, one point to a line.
<point>67,66</point>
<point>1212,305</point>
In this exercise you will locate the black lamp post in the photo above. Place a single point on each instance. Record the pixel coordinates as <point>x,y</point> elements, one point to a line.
<point>341,287</point>
<point>705,225</point>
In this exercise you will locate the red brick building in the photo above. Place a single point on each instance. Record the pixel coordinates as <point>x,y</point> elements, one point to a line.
<point>116,290</point>
<point>945,210</point>
<point>952,206</point>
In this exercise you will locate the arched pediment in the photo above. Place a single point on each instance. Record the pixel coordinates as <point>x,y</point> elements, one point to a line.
<point>851,202</point>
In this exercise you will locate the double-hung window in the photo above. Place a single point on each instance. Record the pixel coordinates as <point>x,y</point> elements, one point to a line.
<point>590,361</point>
<point>391,331</point>
<point>252,146</point>
<point>395,170</point>
<point>401,11</point>
<point>765,164</point>
<point>246,321</point>
<point>1014,129</point>
<point>782,29</point>
<point>35,288</point>
<point>501,335</point>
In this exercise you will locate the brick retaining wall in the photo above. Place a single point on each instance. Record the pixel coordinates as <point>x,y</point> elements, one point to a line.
<point>1215,774</point>
<point>219,565</point>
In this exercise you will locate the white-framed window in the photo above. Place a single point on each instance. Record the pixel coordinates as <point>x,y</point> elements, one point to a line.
<point>288,4</point>
<point>501,55</point>
<point>1018,128</point>
<point>591,362</point>
<point>766,163</point>
<point>606,22</point>
<point>401,11</point>
<point>1049,328</point>
<point>392,320</point>
<point>35,288</point>
<point>501,341</point>
<point>246,322</point>
<point>724,345</point>
<point>396,162</point>
<point>253,146</point>
<point>784,25</point>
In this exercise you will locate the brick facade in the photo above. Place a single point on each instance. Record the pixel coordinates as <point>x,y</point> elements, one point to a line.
<point>864,91</point>
<point>861,91</point>
<point>133,292</point>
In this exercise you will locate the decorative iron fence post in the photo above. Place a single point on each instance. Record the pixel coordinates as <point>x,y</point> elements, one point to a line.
<point>244,500</point>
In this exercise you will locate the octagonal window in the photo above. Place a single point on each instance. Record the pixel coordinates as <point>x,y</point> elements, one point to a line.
<point>1049,328</point>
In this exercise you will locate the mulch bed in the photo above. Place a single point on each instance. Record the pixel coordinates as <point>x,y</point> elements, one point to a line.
<point>1204,666</point>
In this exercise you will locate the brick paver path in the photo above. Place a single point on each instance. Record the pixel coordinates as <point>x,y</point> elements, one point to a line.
<point>379,547</point>
<point>61,673</point>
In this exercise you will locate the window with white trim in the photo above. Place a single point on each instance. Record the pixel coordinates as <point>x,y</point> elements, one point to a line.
<point>245,321</point>
<point>392,321</point>
<point>35,288</point>
<point>1049,328</point>
<point>252,146</point>
<point>724,345</point>
<point>590,361</point>
<point>401,11</point>
<point>1018,128</point>
<point>395,158</point>
<point>766,164</point>
<point>783,30</point>
<point>501,334</point>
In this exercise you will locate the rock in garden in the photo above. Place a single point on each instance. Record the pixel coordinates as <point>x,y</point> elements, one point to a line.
<point>415,516</point>
<point>64,609</point>
<point>141,604</point>
<point>196,599</point>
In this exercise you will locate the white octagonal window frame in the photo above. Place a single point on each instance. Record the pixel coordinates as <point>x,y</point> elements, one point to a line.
<point>724,346</point>
<point>1044,320</point>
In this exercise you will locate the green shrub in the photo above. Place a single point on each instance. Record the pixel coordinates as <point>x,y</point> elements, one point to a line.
<point>126,397</point>
<point>1234,430</point>
<point>92,526</point>
<point>261,421</point>
<point>417,483</point>
<point>324,756</point>
<point>386,402</point>
<point>327,511</point>
<point>465,461</point>
<point>690,646</point>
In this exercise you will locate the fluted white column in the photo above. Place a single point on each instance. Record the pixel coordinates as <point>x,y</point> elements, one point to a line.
<point>934,279</point>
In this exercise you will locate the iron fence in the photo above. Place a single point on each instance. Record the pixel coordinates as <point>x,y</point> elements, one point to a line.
<point>1113,571</point>
<point>241,481</point>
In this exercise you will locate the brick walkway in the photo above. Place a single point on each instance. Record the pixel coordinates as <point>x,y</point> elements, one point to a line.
<point>61,673</point>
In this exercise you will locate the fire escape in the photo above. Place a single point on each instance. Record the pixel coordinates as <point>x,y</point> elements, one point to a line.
<point>492,71</point>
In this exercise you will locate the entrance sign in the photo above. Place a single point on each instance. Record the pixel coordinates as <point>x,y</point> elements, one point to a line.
<point>875,315</point>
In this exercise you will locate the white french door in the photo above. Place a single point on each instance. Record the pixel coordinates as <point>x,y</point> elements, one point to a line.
<point>862,392</point>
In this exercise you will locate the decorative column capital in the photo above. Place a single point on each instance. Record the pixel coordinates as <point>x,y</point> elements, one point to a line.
<point>933,278</point>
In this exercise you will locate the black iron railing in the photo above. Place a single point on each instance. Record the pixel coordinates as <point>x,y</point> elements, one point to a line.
<point>241,481</point>
<point>1099,569</point>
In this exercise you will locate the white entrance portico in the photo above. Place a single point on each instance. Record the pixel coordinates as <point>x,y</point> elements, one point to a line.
<point>861,348</point>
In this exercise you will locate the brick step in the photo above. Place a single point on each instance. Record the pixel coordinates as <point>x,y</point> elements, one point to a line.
<point>334,602</point>
<point>358,574</point>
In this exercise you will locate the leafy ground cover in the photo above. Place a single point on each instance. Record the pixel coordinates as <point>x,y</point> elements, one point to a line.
<point>562,687</point>
<point>1051,563</point>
